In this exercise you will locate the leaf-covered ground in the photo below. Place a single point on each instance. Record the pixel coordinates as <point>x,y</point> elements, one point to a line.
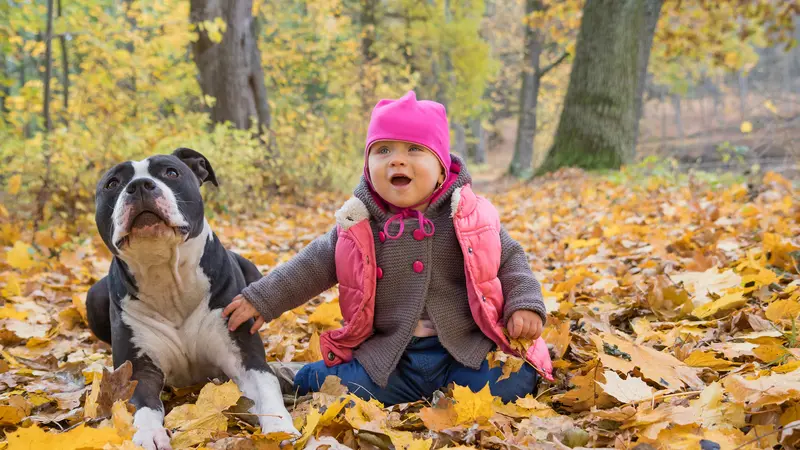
<point>673,309</point>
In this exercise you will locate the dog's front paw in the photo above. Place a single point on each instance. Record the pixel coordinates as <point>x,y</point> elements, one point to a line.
<point>152,439</point>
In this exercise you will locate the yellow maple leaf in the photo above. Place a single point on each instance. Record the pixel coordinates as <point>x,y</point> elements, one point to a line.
<point>16,410</point>
<point>327,315</point>
<point>473,407</point>
<point>12,287</point>
<point>8,311</point>
<point>312,420</point>
<point>122,419</point>
<point>19,257</point>
<point>404,440</point>
<point>724,303</point>
<point>783,310</point>
<point>746,127</point>
<point>80,437</point>
<point>196,423</point>
<point>699,358</point>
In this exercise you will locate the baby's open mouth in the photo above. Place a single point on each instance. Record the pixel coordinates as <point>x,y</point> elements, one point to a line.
<point>400,180</point>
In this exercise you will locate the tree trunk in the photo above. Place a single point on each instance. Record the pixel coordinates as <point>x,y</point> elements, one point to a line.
<point>597,123</point>
<point>522,162</point>
<point>742,96</point>
<point>652,10</point>
<point>230,70</point>
<point>676,105</point>
<point>5,88</point>
<point>368,56</point>
<point>48,66</point>
<point>479,134</point>
<point>460,144</point>
<point>65,67</point>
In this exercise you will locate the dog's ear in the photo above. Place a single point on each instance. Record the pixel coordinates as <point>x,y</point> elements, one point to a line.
<point>198,163</point>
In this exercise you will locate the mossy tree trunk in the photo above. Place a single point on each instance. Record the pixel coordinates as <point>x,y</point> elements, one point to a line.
<point>597,125</point>
<point>230,70</point>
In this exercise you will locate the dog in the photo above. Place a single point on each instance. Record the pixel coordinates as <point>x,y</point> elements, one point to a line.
<point>160,306</point>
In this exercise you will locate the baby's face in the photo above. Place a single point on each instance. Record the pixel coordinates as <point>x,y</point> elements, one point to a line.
<point>402,173</point>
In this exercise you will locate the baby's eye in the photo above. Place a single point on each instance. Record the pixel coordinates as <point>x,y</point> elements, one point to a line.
<point>415,149</point>
<point>383,150</point>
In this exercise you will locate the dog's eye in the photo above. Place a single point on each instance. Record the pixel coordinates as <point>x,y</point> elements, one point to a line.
<point>171,173</point>
<point>112,183</point>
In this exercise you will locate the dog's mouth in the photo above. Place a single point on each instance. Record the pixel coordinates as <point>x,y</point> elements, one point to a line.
<point>400,180</point>
<point>146,219</point>
<point>149,225</point>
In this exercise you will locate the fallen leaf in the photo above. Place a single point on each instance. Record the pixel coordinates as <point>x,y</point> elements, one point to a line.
<point>327,315</point>
<point>109,388</point>
<point>699,358</point>
<point>724,303</point>
<point>783,310</point>
<point>657,366</point>
<point>766,390</point>
<point>19,257</point>
<point>472,407</point>
<point>440,417</point>
<point>78,438</point>
<point>629,390</point>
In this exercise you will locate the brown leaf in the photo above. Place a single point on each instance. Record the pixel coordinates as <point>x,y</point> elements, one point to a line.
<point>109,388</point>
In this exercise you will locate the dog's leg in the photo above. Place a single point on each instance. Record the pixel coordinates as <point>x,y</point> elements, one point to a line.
<point>261,385</point>
<point>97,310</point>
<point>258,383</point>
<point>149,417</point>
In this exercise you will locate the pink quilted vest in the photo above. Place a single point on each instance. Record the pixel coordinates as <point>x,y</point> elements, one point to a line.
<point>477,226</point>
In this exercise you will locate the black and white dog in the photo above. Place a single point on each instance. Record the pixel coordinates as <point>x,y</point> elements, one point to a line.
<point>161,304</point>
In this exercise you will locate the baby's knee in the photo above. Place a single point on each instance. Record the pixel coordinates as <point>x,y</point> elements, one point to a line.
<point>518,385</point>
<point>310,377</point>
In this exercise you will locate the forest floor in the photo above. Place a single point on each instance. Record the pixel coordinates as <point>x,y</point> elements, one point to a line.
<point>673,303</point>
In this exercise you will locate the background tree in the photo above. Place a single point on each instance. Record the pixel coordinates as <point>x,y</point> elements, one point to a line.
<point>597,124</point>
<point>230,68</point>
<point>532,73</point>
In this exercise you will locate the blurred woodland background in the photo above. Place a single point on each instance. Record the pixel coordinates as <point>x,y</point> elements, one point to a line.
<point>278,93</point>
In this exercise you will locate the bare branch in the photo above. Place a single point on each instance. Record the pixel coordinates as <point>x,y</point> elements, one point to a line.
<point>541,72</point>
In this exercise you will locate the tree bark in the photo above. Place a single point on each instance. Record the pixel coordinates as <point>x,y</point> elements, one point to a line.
<point>368,56</point>
<point>742,95</point>
<point>652,10</point>
<point>522,162</point>
<point>597,123</point>
<point>479,134</point>
<point>48,66</point>
<point>230,70</point>
<point>676,105</point>
<point>65,67</point>
<point>5,88</point>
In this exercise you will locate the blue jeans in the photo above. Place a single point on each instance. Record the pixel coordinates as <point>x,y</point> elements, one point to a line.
<point>424,367</point>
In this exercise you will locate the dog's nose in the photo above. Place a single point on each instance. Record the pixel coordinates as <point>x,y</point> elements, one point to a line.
<point>146,183</point>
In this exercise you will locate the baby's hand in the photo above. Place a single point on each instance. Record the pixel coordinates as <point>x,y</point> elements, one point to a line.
<point>240,311</point>
<point>525,324</point>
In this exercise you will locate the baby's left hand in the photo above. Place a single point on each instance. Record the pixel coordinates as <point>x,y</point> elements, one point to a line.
<point>525,324</point>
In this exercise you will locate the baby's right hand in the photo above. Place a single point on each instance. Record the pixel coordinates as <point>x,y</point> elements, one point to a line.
<point>241,311</point>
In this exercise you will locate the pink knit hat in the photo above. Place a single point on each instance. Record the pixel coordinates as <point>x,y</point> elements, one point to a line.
<point>421,122</point>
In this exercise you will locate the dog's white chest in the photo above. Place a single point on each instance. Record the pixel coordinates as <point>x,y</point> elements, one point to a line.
<point>193,351</point>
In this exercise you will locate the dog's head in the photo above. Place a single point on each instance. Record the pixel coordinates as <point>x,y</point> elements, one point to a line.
<point>156,200</point>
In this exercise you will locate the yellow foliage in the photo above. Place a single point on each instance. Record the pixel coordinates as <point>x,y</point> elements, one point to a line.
<point>472,407</point>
